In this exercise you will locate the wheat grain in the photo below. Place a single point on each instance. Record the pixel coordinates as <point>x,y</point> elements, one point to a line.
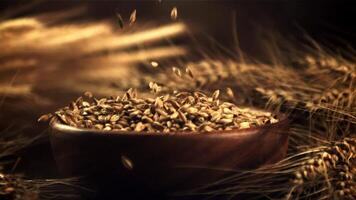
<point>180,111</point>
<point>133,17</point>
<point>154,64</point>
<point>120,20</point>
<point>174,13</point>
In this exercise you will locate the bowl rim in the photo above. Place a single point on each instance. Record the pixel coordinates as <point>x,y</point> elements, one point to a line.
<point>59,126</point>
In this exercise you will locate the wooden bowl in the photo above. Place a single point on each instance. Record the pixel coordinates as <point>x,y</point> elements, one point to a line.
<point>164,162</point>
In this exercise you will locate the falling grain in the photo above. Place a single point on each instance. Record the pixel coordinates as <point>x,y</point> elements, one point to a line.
<point>189,72</point>
<point>230,93</point>
<point>120,20</point>
<point>215,95</point>
<point>126,162</point>
<point>133,17</point>
<point>154,64</point>
<point>174,13</point>
<point>177,71</point>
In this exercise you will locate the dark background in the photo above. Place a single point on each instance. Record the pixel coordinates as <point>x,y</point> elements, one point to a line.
<point>330,22</point>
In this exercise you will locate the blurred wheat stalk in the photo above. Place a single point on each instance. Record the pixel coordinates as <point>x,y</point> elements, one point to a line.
<point>42,59</point>
<point>44,55</point>
<point>86,55</point>
<point>317,88</point>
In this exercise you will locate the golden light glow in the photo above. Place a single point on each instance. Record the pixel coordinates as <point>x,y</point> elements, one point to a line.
<point>18,64</point>
<point>14,90</point>
<point>80,33</point>
<point>83,39</point>
<point>22,23</point>
<point>97,50</point>
<point>151,35</point>
<point>110,65</point>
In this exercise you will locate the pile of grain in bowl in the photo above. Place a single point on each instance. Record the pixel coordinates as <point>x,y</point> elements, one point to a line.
<point>176,112</point>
